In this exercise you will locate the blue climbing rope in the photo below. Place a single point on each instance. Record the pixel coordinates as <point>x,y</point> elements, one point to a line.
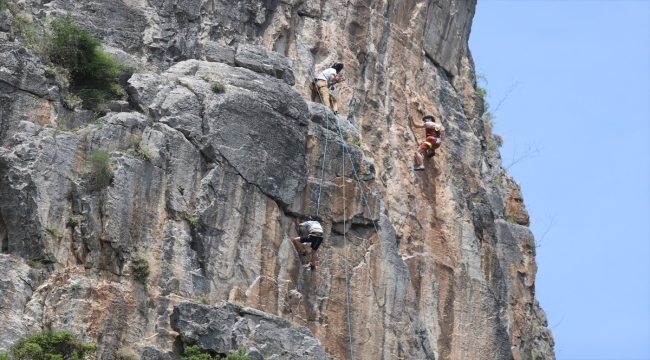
<point>320,188</point>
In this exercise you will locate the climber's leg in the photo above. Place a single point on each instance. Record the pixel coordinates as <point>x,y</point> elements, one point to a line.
<point>324,92</point>
<point>335,106</point>
<point>299,247</point>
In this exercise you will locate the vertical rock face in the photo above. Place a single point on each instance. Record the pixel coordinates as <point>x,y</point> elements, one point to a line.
<point>206,186</point>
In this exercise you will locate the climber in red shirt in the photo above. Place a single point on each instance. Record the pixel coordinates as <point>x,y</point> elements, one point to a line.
<point>431,143</point>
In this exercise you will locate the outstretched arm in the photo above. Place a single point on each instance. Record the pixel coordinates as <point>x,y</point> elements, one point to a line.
<point>416,125</point>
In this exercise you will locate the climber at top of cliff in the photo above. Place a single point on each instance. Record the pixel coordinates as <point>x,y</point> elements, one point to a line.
<point>432,140</point>
<point>314,236</point>
<point>326,80</point>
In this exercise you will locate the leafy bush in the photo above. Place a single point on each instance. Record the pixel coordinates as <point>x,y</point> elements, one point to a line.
<point>35,263</point>
<point>73,220</point>
<point>94,74</point>
<point>140,267</point>
<point>192,220</point>
<point>203,300</point>
<point>52,231</point>
<point>49,345</point>
<point>218,87</point>
<point>5,5</point>
<point>101,172</point>
<point>194,353</point>
<point>5,245</point>
<point>139,150</point>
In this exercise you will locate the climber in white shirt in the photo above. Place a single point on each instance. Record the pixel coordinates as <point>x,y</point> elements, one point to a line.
<point>324,82</point>
<point>314,236</point>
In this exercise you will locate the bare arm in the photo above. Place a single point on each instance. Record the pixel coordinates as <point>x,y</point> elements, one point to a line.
<point>335,79</point>
<point>416,125</point>
<point>297,222</point>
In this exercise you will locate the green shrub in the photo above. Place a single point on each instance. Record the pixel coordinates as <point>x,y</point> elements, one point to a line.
<point>5,5</point>
<point>94,74</point>
<point>139,150</point>
<point>238,355</point>
<point>194,353</point>
<point>35,263</point>
<point>192,220</point>
<point>357,143</point>
<point>101,172</point>
<point>5,245</point>
<point>203,300</point>
<point>140,267</point>
<point>511,219</point>
<point>498,183</point>
<point>28,298</point>
<point>73,220</point>
<point>481,91</point>
<point>218,87</point>
<point>52,231</point>
<point>50,345</point>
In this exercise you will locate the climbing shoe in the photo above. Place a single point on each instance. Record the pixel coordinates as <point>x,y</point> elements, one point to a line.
<point>433,153</point>
<point>302,254</point>
<point>419,168</point>
<point>312,267</point>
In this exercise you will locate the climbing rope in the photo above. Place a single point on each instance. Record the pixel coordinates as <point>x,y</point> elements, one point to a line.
<point>345,241</point>
<point>363,195</point>
<point>327,121</point>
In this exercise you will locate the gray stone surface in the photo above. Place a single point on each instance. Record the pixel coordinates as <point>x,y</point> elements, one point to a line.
<point>6,19</point>
<point>256,125</point>
<point>226,327</point>
<point>445,37</point>
<point>263,61</point>
<point>220,53</point>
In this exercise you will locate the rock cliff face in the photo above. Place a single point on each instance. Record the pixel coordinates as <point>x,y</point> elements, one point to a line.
<point>206,186</point>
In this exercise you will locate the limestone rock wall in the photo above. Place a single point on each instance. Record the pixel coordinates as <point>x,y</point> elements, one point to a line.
<point>450,274</point>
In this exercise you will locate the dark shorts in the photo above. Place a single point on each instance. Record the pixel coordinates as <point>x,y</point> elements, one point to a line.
<point>314,240</point>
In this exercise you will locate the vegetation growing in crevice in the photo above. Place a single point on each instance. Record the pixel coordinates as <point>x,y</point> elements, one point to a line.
<point>218,87</point>
<point>142,151</point>
<point>52,231</point>
<point>140,267</point>
<point>87,75</point>
<point>50,345</point>
<point>35,263</point>
<point>192,220</point>
<point>101,172</point>
<point>5,245</point>
<point>73,220</point>
<point>203,300</point>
